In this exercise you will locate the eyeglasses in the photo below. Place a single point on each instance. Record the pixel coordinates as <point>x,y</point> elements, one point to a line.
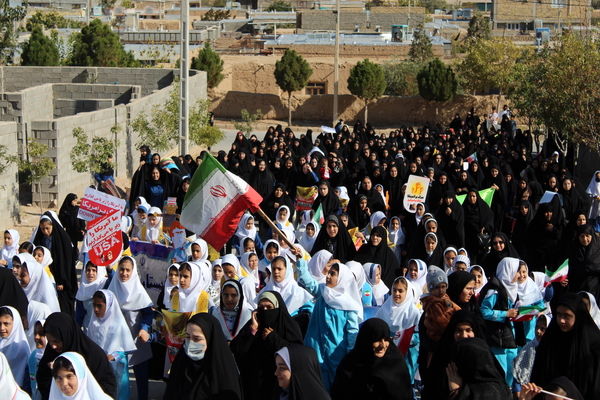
<point>498,242</point>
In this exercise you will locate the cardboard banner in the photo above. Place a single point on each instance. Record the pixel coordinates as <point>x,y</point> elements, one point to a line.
<point>153,261</point>
<point>305,197</point>
<point>416,192</point>
<point>95,204</point>
<point>105,239</point>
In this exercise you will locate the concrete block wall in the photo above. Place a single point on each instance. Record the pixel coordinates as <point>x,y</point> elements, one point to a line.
<point>9,183</point>
<point>317,20</point>
<point>66,107</point>
<point>122,94</point>
<point>576,12</point>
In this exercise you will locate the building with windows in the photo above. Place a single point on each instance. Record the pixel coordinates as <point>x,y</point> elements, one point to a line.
<point>527,15</point>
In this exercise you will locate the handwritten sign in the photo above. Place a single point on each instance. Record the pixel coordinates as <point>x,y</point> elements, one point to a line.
<point>105,238</point>
<point>416,192</point>
<point>95,204</point>
<point>153,261</point>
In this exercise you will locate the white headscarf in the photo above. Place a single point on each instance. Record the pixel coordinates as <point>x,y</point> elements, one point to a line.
<point>359,273</point>
<point>593,188</point>
<point>421,280</point>
<point>293,295</point>
<point>284,222</point>
<point>484,279</point>
<point>448,268</point>
<point>8,252</point>
<point>380,289</point>
<point>47,259</point>
<point>169,287</point>
<point>10,388</point>
<point>505,272</point>
<point>36,311</point>
<point>529,291</point>
<point>307,241</point>
<point>203,248</point>
<point>343,196</point>
<point>265,263</point>
<point>87,289</point>
<point>404,315</point>
<point>345,295</point>
<point>40,287</point>
<point>153,232</point>
<point>594,310</point>
<point>233,260</point>
<point>242,232</point>
<point>215,283</point>
<point>398,237</point>
<point>131,295</point>
<point>249,289</point>
<point>243,312</point>
<point>317,263</point>
<point>111,332</point>
<point>376,218</point>
<point>16,348</point>
<point>201,278</point>
<point>253,273</point>
<point>87,389</point>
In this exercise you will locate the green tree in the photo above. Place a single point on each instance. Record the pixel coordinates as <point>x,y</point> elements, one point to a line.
<point>479,28</point>
<point>97,45</point>
<point>35,166</point>
<point>401,78</point>
<point>9,20</point>
<point>52,20</point>
<point>92,158</point>
<point>108,4</point>
<point>161,131</point>
<point>437,81</point>
<point>216,15</point>
<point>208,60</point>
<point>489,65</point>
<point>420,48</point>
<point>280,5</point>
<point>6,159</point>
<point>291,74</point>
<point>248,121</point>
<point>557,88</point>
<point>367,81</point>
<point>39,50</point>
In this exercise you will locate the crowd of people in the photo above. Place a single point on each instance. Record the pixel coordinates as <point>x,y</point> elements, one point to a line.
<point>348,294</point>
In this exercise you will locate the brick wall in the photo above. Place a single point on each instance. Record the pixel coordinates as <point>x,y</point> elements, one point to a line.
<point>576,12</point>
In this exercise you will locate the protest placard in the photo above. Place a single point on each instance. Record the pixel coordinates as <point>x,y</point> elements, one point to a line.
<point>105,238</point>
<point>95,204</point>
<point>416,192</point>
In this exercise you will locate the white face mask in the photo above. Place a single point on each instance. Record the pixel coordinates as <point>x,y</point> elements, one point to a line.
<point>194,350</point>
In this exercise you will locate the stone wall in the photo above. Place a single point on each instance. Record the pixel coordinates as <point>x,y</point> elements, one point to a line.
<point>576,12</point>
<point>385,17</point>
<point>9,183</point>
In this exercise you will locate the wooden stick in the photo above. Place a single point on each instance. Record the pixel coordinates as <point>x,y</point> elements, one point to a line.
<point>556,395</point>
<point>275,228</point>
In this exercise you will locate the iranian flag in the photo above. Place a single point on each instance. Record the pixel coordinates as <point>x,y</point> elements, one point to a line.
<point>319,218</point>
<point>559,275</point>
<point>527,313</point>
<point>471,158</point>
<point>215,202</point>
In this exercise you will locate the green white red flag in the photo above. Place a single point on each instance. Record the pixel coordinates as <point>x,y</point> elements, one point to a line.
<point>215,202</point>
<point>527,313</point>
<point>319,218</point>
<point>559,275</point>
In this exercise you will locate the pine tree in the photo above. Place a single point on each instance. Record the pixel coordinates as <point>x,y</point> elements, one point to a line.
<point>208,60</point>
<point>97,45</point>
<point>39,50</point>
<point>420,48</point>
<point>437,81</point>
<point>291,74</point>
<point>367,81</point>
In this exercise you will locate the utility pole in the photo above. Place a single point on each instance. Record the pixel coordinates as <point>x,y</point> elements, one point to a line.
<point>336,63</point>
<point>183,79</point>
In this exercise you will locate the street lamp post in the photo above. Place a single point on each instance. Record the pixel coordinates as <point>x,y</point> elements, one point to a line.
<point>183,79</point>
<point>336,63</point>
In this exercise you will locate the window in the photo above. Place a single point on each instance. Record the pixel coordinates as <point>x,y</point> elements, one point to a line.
<point>559,3</point>
<point>314,88</point>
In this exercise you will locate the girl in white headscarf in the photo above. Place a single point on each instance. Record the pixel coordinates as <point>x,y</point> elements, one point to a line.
<point>93,278</point>
<point>152,230</point>
<point>37,351</point>
<point>87,388</point>
<point>199,249</point>
<point>417,275</point>
<point>318,265</point>
<point>366,290</point>
<point>480,278</point>
<point>282,281</point>
<point>109,330</point>
<point>246,229</point>
<point>136,307</point>
<point>498,308</point>
<point>194,279</point>
<point>402,315</point>
<point>283,217</point>
<point>214,289</point>
<point>272,249</point>
<point>593,190</point>
<point>9,386</point>
<point>171,282</point>
<point>380,290</point>
<point>396,236</point>
<point>334,322</point>
<point>44,256</point>
<point>36,283</point>
<point>308,237</point>
<point>36,311</point>
<point>14,344</point>
<point>10,248</point>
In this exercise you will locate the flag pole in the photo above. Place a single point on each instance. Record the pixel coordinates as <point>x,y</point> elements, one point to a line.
<point>275,228</point>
